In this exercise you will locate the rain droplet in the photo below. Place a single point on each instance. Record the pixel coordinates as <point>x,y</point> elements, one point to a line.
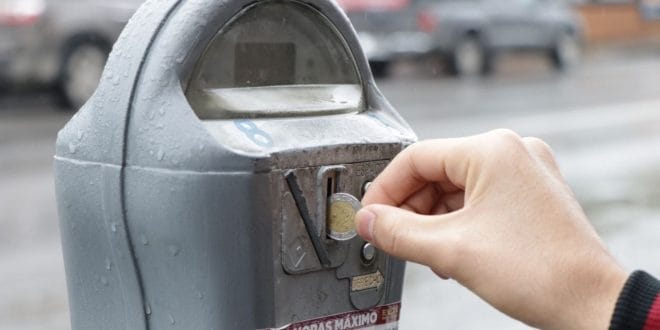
<point>172,320</point>
<point>161,111</point>
<point>144,240</point>
<point>113,227</point>
<point>72,148</point>
<point>81,135</point>
<point>174,250</point>
<point>104,281</point>
<point>108,264</point>
<point>147,309</point>
<point>200,295</point>
<point>161,154</point>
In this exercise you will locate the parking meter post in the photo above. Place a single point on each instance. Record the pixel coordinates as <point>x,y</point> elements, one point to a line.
<point>194,187</point>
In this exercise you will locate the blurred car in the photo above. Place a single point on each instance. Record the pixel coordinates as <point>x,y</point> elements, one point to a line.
<point>60,42</point>
<point>467,34</point>
<point>650,9</point>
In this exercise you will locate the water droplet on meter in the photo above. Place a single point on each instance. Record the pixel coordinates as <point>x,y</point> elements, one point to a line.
<point>174,250</point>
<point>144,240</point>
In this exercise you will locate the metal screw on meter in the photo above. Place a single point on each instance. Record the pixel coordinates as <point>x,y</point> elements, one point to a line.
<point>366,187</point>
<point>341,216</point>
<point>368,252</point>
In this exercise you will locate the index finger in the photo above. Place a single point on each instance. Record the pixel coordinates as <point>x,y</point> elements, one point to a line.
<point>444,162</point>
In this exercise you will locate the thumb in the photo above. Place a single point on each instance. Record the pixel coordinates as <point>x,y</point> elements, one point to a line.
<point>398,232</point>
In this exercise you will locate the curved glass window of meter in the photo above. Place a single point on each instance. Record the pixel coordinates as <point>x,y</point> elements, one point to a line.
<point>276,59</point>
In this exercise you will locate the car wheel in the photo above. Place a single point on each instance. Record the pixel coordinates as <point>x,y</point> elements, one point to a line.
<point>469,58</point>
<point>380,69</point>
<point>81,71</point>
<point>566,52</point>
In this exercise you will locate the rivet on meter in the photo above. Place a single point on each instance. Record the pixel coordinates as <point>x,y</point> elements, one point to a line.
<point>368,252</point>
<point>341,216</point>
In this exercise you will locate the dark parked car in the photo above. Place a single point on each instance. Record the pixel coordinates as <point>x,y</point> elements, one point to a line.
<point>60,42</point>
<point>467,34</point>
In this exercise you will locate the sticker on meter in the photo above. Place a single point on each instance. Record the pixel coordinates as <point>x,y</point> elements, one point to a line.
<point>378,318</point>
<point>341,216</point>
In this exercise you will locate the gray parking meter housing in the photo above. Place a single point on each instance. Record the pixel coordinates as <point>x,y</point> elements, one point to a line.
<point>193,187</point>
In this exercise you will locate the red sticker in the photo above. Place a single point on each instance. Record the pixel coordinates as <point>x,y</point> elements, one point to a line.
<point>378,318</point>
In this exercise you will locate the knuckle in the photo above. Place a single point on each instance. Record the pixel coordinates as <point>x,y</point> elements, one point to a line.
<point>506,137</point>
<point>505,134</point>
<point>413,146</point>
<point>414,149</point>
<point>408,154</point>
<point>539,146</point>
<point>411,150</point>
<point>506,141</point>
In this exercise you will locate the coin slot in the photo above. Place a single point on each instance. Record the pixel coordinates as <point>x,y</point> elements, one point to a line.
<point>330,189</point>
<point>331,186</point>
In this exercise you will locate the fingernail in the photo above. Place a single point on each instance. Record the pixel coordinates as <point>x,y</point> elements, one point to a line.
<point>365,224</point>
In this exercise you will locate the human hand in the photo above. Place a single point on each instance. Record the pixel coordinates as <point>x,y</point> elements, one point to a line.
<point>494,213</point>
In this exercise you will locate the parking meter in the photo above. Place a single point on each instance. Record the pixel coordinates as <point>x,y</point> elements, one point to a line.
<point>212,180</point>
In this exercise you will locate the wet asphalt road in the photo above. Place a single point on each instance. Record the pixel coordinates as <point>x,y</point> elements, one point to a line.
<point>603,120</point>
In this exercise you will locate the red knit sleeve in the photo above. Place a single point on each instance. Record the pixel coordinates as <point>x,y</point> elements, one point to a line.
<point>653,318</point>
<point>638,306</point>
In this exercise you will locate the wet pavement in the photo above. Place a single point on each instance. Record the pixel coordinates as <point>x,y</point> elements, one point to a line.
<point>603,121</point>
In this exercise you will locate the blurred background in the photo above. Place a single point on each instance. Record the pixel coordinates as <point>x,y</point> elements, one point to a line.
<point>583,75</point>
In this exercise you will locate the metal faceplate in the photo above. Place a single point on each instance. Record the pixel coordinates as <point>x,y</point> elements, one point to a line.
<point>306,246</point>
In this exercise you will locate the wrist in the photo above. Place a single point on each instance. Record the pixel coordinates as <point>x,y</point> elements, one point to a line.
<point>594,297</point>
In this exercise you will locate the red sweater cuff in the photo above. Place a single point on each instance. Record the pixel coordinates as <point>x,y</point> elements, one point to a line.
<point>653,319</point>
<point>638,306</point>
